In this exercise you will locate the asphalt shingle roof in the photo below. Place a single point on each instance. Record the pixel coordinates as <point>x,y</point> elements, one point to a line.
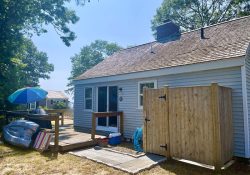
<point>224,41</point>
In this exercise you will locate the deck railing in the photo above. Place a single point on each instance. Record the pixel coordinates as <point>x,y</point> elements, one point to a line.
<point>106,114</point>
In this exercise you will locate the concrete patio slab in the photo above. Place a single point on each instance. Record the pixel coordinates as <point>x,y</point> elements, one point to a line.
<point>127,163</point>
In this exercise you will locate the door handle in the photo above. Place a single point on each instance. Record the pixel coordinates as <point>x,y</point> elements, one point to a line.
<point>147,120</point>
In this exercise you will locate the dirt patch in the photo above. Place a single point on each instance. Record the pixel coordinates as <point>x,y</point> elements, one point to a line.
<point>126,148</point>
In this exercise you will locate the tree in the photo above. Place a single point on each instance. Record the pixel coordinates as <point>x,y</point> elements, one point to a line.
<point>25,71</point>
<point>192,14</point>
<point>20,19</point>
<point>89,56</point>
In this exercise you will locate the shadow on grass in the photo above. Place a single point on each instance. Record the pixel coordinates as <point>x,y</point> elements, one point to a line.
<point>10,150</point>
<point>180,168</point>
<point>7,150</point>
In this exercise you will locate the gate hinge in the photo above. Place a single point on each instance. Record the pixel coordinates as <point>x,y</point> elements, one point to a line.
<point>164,96</point>
<point>147,120</point>
<point>164,146</point>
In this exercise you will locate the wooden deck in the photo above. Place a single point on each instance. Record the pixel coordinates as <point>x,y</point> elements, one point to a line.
<point>71,140</point>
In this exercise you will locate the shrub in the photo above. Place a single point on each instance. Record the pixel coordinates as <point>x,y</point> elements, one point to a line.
<point>60,105</point>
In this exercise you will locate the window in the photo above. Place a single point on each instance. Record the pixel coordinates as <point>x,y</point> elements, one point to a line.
<point>88,98</point>
<point>33,105</point>
<point>141,85</point>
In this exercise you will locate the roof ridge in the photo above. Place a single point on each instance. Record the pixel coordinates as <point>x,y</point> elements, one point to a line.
<point>55,90</point>
<point>220,23</point>
<point>150,42</point>
<point>187,32</point>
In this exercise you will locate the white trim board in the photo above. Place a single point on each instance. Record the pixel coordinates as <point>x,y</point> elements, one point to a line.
<point>245,111</point>
<point>92,98</point>
<point>218,64</point>
<point>138,90</point>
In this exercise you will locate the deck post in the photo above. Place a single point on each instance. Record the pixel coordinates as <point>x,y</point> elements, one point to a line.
<point>93,126</point>
<point>56,141</point>
<point>62,120</point>
<point>121,123</point>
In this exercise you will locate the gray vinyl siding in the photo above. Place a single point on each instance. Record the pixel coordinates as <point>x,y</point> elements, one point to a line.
<point>247,65</point>
<point>230,77</point>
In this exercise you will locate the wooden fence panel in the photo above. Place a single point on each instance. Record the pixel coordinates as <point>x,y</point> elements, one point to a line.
<point>226,128</point>
<point>191,124</point>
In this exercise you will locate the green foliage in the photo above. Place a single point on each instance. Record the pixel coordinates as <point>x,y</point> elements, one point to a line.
<point>88,57</point>
<point>44,107</point>
<point>192,14</point>
<point>30,16</point>
<point>31,66</point>
<point>60,105</point>
<point>20,62</point>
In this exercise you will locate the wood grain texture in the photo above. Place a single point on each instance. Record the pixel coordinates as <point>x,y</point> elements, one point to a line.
<point>196,122</point>
<point>156,121</point>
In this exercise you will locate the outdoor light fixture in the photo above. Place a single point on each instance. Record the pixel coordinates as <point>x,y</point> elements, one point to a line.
<point>120,89</point>
<point>120,94</point>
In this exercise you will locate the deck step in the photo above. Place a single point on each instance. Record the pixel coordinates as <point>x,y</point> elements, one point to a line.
<point>73,146</point>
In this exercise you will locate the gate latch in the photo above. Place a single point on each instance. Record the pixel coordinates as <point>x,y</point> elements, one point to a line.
<point>164,146</point>
<point>164,97</point>
<point>147,120</point>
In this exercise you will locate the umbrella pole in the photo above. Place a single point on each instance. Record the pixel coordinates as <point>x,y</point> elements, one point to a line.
<point>28,107</point>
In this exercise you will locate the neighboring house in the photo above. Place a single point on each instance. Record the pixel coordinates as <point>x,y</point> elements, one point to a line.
<point>54,97</point>
<point>218,53</point>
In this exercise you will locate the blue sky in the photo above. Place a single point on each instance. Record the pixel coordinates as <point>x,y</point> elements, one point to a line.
<point>126,22</point>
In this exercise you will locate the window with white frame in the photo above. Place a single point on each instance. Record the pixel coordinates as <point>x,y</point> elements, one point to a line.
<point>33,105</point>
<point>141,85</point>
<point>88,98</point>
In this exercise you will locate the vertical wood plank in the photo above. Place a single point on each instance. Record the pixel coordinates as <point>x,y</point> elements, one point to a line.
<point>144,120</point>
<point>167,128</point>
<point>226,128</point>
<point>216,126</point>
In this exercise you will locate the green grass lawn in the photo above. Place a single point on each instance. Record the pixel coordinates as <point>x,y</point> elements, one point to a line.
<point>20,161</point>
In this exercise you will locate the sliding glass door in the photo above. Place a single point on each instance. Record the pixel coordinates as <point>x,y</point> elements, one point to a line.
<point>107,100</point>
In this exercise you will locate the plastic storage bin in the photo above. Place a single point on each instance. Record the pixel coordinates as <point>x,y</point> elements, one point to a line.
<point>115,138</point>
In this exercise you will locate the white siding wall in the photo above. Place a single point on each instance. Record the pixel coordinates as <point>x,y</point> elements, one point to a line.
<point>230,77</point>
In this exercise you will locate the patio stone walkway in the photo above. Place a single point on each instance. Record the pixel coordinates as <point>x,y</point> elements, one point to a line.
<point>120,161</point>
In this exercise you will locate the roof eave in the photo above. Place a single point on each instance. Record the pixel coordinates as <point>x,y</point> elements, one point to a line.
<point>217,64</point>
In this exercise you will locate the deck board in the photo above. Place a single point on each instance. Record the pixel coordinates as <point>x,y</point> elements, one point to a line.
<point>70,139</point>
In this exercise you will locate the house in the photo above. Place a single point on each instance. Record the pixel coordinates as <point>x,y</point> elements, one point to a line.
<point>218,53</point>
<point>54,97</point>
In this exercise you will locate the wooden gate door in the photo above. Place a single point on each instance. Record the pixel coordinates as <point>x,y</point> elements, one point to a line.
<point>156,136</point>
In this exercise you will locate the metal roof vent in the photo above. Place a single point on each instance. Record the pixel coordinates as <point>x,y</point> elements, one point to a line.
<point>202,33</point>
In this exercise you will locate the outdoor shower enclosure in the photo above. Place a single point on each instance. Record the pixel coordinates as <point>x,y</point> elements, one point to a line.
<point>192,123</point>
